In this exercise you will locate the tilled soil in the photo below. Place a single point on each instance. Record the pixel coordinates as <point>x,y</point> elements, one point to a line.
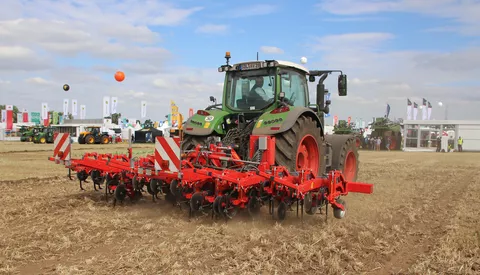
<point>423,218</point>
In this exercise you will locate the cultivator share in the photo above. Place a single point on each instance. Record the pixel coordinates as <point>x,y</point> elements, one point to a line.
<point>263,146</point>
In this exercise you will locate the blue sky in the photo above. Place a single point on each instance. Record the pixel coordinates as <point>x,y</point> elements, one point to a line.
<point>390,50</point>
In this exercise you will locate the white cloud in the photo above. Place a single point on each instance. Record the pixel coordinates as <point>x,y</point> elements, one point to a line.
<point>464,13</point>
<point>379,75</point>
<point>253,10</point>
<point>113,35</point>
<point>271,50</point>
<point>212,28</point>
<point>38,80</point>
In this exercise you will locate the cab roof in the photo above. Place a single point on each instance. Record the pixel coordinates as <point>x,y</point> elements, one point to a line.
<point>280,63</point>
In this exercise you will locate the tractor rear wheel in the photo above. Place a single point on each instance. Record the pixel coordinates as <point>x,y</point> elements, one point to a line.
<point>43,140</point>
<point>299,147</point>
<point>81,139</point>
<point>105,139</point>
<point>344,155</point>
<point>89,139</point>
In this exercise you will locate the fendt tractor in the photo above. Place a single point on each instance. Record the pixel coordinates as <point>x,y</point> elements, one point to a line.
<point>271,97</point>
<point>93,135</point>
<point>264,145</point>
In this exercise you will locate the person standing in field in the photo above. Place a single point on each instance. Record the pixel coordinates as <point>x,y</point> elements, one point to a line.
<point>460,144</point>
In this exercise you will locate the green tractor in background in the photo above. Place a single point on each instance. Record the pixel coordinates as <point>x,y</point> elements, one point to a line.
<point>344,128</point>
<point>44,135</point>
<point>26,134</point>
<point>271,98</point>
<point>385,128</point>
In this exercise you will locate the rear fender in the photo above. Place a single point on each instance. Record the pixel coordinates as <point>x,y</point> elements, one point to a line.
<point>200,125</point>
<point>272,124</point>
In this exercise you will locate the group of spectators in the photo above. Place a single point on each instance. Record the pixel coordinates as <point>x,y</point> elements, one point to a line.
<point>374,143</point>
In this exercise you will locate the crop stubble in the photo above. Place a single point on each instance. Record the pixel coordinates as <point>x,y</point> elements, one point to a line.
<point>424,217</point>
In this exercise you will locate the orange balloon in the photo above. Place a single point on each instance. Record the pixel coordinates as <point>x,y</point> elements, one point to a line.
<point>119,76</point>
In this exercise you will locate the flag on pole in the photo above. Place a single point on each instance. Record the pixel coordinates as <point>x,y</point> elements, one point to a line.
<point>44,111</point>
<point>114,105</point>
<point>106,106</point>
<point>74,107</point>
<point>144,109</point>
<point>415,110</point>
<point>429,111</point>
<point>65,107</point>
<point>83,111</point>
<point>409,109</point>
<point>9,115</point>
<point>424,109</point>
<point>387,111</point>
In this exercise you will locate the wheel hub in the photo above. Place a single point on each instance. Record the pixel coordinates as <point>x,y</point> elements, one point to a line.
<point>308,157</point>
<point>350,166</point>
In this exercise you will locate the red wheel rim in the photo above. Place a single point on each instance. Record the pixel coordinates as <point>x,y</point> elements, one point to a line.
<point>308,157</point>
<point>350,166</point>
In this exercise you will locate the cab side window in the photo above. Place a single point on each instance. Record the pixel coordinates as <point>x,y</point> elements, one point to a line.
<point>294,85</point>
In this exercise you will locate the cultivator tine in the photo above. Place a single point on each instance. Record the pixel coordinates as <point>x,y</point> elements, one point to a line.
<point>81,187</point>
<point>70,174</point>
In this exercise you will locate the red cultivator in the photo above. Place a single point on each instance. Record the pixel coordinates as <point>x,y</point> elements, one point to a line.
<point>212,177</point>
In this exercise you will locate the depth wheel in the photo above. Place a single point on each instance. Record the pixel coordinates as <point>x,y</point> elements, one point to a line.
<point>310,204</point>
<point>282,211</point>
<point>253,205</point>
<point>216,205</point>
<point>339,213</point>
<point>196,201</point>
<point>120,192</point>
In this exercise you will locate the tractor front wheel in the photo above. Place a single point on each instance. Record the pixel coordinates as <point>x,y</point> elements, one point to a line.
<point>89,139</point>
<point>43,140</point>
<point>298,148</point>
<point>105,139</point>
<point>344,155</point>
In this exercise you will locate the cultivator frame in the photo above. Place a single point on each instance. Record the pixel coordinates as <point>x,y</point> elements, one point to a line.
<point>211,177</point>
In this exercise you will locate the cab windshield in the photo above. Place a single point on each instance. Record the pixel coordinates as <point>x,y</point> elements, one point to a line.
<point>250,90</point>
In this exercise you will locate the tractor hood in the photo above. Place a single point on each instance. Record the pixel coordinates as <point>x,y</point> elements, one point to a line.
<point>205,122</point>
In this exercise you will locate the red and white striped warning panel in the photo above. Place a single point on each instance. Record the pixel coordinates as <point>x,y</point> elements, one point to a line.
<point>167,149</point>
<point>61,147</point>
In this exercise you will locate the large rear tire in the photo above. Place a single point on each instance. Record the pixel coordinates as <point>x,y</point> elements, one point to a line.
<point>81,139</point>
<point>344,155</point>
<point>299,147</point>
<point>105,139</point>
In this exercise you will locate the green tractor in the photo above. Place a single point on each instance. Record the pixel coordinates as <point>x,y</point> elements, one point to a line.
<point>271,98</point>
<point>44,135</point>
<point>385,128</point>
<point>26,134</point>
<point>343,128</point>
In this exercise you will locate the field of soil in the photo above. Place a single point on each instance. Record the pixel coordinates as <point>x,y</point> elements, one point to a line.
<point>423,218</point>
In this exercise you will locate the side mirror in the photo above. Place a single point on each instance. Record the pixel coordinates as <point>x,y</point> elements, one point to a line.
<point>342,85</point>
<point>311,78</point>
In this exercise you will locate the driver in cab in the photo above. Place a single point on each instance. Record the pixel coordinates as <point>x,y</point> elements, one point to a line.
<point>257,96</point>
